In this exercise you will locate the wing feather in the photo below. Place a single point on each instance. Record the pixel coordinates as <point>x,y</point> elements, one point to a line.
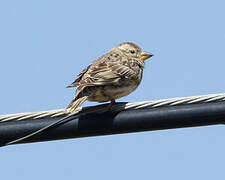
<point>107,74</point>
<point>78,78</point>
<point>105,71</point>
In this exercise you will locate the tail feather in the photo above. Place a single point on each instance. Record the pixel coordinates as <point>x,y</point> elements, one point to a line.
<point>76,103</point>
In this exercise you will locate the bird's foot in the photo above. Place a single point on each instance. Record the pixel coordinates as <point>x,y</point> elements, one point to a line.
<point>111,104</point>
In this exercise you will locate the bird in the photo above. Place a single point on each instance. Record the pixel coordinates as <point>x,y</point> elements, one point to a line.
<point>112,76</point>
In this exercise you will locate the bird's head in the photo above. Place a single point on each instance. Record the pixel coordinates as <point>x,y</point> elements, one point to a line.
<point>132,50</point>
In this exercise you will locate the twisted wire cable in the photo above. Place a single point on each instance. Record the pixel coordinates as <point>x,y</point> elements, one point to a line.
<point>117,107</point>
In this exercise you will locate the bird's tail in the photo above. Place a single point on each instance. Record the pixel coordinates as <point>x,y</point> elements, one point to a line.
<point>76,103</point>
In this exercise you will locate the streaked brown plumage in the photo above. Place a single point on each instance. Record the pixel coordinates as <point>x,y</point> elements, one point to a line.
<point>110,77</point>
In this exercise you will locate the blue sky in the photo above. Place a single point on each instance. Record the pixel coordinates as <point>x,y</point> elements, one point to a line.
<point>45,44</point>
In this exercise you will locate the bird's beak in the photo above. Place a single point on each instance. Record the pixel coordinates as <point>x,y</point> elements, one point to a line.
<point>145,55</point>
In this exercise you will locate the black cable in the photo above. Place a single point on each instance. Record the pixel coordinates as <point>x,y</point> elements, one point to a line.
<point>95,124</point>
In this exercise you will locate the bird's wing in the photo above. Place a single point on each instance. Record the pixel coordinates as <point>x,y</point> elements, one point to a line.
<point>106,73</point>
<point>78,78</point>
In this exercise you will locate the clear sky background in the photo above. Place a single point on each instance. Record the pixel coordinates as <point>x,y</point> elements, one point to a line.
<point>45,44</point>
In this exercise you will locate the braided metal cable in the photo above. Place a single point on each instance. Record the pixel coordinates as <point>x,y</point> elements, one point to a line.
<point>117,107</point>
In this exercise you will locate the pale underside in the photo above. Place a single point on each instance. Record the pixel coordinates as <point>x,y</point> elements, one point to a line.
<point>110,93</point>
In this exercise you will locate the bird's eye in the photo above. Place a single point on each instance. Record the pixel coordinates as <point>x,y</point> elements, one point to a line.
<point>132,51</point>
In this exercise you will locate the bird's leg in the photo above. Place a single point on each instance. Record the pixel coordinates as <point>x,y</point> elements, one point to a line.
<point>111,104</point>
